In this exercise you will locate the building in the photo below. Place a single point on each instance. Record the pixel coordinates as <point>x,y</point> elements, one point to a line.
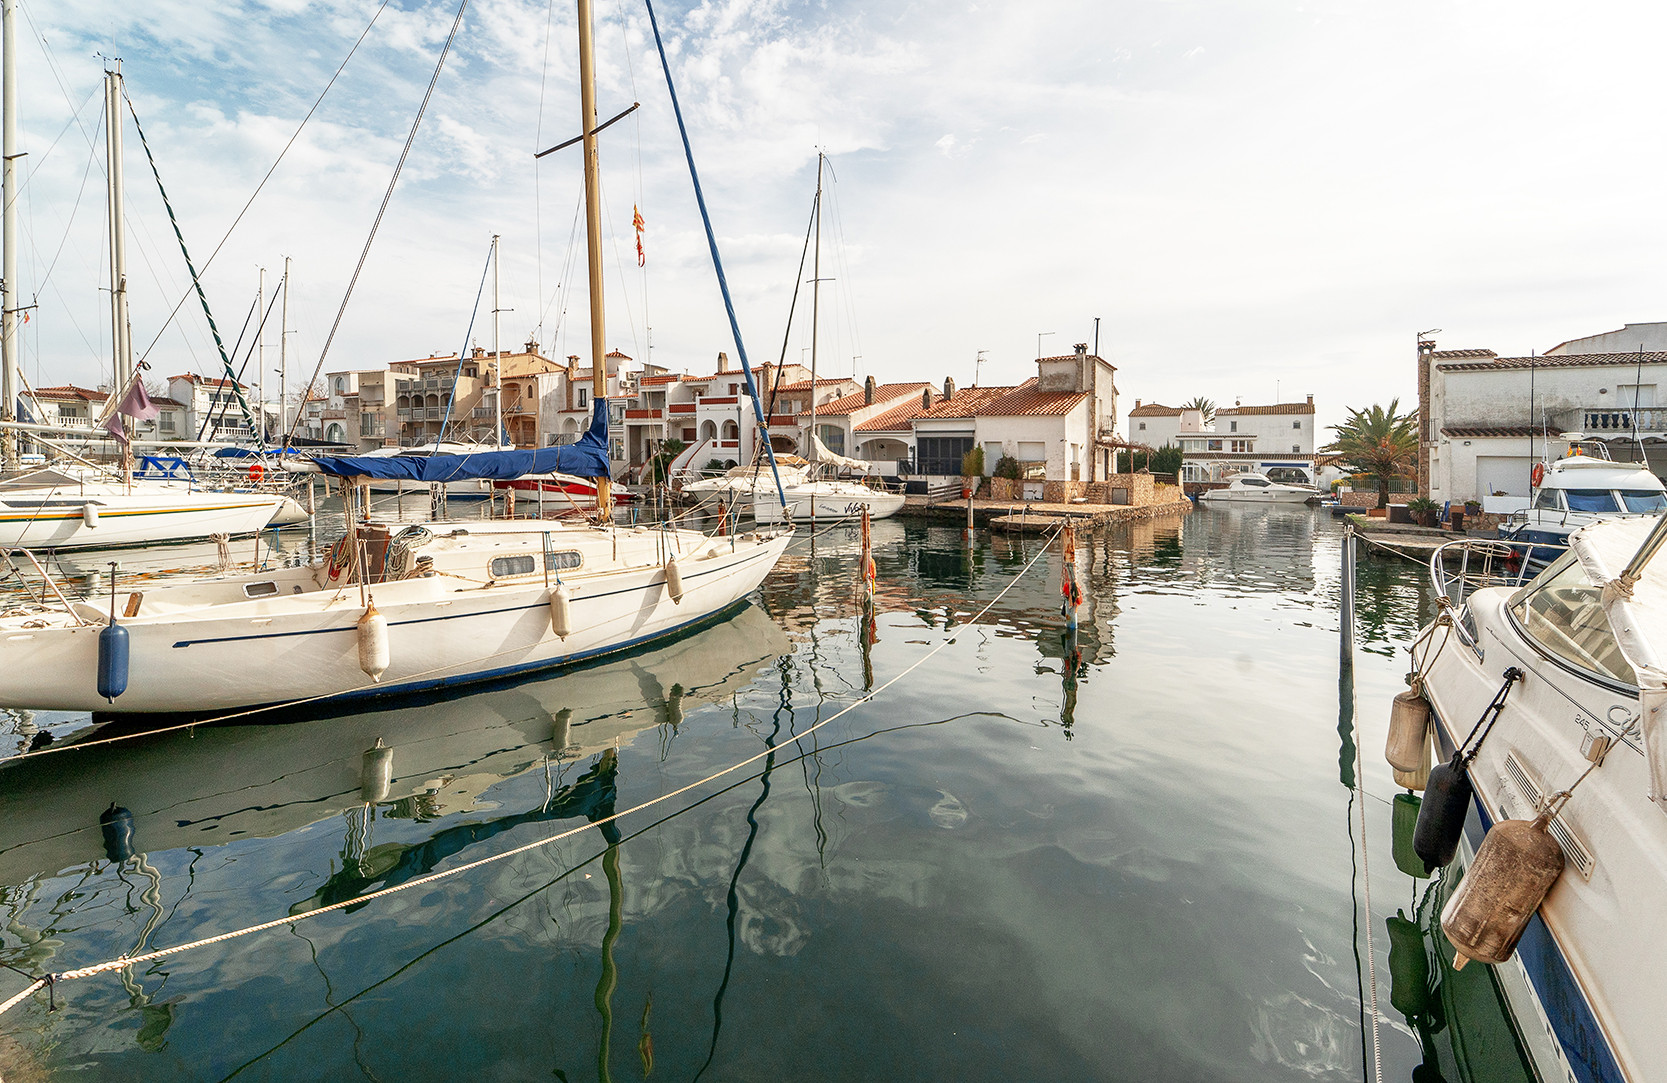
<point>1276,440</point>
<point>214,408</point>
<point>1485,420</point>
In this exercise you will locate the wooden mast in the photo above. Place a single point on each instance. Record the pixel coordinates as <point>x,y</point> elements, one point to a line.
<point>593,238</point>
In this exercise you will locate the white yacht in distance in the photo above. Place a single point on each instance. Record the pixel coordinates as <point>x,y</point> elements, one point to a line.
<point>1251,487</point>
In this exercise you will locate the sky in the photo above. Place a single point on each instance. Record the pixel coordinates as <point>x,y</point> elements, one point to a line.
<point>1248,200</point>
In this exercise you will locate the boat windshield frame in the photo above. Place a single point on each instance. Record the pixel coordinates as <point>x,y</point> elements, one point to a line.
<point>1562,600</point>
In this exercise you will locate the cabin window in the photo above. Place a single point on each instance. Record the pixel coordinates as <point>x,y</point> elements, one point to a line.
<point>503,567</point>
<point>1592,500</point>
<point>1549,500</point>
<point>260,590</point>
<point>562,561</point>
<point>1563,612</point>
<point>1252,479</point>
<point>1643,500</point>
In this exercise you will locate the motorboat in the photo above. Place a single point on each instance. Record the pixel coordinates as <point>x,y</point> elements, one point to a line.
<point>825,501</point>
<point>739,484</point>
<point>1582,487</point>
<point>1251,487</point>
<point>1568,669</point>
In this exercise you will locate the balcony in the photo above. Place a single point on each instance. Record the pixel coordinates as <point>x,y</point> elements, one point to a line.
<point>1609,422</point>
<point>681,408</point>
<point>787,421</point>
<point>644,415</point>
<point>483,412</point>
<point>335,415</point>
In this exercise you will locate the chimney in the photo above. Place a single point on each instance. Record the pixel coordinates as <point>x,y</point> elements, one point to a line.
<point>926,398</point>
<point>572,366</point>
<point>723,361</point>
<point>948,388</point>
<point>1311,400</point>
<point>478,351</point>
<point>868,392</point>
<point>1137,404</point>
<point>1082,349</point>
<point>532,345</point>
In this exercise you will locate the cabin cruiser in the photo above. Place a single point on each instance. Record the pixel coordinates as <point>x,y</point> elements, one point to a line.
<point>84,509</point>
<point>1251,487</point>
<point>1568,668</point>
<point>825,501</point>
<point>1582,487</point>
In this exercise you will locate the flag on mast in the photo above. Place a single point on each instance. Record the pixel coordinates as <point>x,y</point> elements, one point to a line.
<point>637,224</point>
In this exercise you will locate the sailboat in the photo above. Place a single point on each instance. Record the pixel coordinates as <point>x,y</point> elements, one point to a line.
<point>434,605</point>
<point>92,508</point>
<point>817,499</point>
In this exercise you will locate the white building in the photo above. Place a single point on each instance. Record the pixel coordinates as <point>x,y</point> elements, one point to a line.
<point>1485,420</point>
<point>1277,440</point>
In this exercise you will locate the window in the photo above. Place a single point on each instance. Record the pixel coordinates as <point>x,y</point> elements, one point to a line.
<point>1563,612</point>
<point>1593,500</point>
<point>506,566</point>
<point>584,397</point>
<point>1549,500</point>
<point>1232,426</point>
<point>941,455</point>
<point>564,560</point>
<point>1296,424</point>
<point>1643,500</point>
<point>1215,445</point>
<point>1241,446</point>
<point>1143,426</point>
<point>1296,449</point>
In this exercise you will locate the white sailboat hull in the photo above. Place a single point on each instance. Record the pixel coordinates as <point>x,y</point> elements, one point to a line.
<point>50,520</point>
<point>207,646</point>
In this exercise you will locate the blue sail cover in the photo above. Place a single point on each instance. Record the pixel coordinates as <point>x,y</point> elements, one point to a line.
<point>586,458</point>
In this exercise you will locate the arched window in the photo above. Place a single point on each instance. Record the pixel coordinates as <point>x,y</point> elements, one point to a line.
<point>708,431</point>
<point>732,431</point>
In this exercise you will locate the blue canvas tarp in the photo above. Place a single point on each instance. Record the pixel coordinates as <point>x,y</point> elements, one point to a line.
<point>586,458</point>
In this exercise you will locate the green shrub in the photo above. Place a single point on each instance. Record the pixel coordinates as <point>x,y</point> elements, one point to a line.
<point>1422,503</point>
<point>972,463</point>
<point>1007,467</point>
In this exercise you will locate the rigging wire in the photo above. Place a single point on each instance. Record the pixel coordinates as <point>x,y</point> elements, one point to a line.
<point>387,198</point>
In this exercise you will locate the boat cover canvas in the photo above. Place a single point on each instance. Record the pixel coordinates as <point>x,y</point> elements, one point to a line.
<point>586,457</point>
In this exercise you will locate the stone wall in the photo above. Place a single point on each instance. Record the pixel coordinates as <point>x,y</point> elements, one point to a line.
<point>1350,498</point>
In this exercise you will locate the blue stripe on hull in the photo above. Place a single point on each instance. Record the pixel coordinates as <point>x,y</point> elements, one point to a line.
<point>1572,1020</point>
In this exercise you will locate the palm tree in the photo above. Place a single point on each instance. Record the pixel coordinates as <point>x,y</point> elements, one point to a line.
<point>1204,406</point>
<point>1378,443</point>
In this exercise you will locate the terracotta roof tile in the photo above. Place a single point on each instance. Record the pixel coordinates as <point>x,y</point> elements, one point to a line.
<point>895,419</point>
<point>1560,361</point>
<point>1441,355</point>
<point>1026,401</point>
<point>1277,408</point>
<point>850,404</point>
<point>70,391</point>
<point>1482,432</point>
<point>967,401</point>
<point>1155,409</point>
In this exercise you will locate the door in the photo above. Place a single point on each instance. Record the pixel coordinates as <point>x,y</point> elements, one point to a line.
<point>1507,474</point>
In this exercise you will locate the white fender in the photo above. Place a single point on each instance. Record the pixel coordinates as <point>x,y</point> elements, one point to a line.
<point>561,611</point>
<point>89,514</point>
<point>674,581</point>
<point>373,642</point>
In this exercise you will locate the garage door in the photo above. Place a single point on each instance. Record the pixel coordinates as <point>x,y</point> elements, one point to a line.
<point>1506,474</point>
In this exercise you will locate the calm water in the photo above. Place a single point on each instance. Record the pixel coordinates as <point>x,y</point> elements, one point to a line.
<point>1131,855</point>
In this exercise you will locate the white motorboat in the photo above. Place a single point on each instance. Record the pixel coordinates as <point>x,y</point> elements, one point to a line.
<point>1250,487</point>
<point>740,483</point>
<point>440,604</point>
<point>1576,490</point>
<point>1569,666</point>
<point>825,501</point>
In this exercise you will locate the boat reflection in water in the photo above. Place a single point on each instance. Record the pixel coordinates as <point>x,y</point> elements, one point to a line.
<point>219,784</point>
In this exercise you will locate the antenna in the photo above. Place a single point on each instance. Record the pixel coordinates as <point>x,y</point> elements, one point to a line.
<point>978,366</point>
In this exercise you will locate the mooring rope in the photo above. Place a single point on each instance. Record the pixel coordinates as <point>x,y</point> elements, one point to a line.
<point>124,961</point>
<point>1349,537</point>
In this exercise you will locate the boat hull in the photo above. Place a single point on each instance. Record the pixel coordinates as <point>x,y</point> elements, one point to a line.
<point>298,645</point>
<point>122,521</point>
<point>808,506</point>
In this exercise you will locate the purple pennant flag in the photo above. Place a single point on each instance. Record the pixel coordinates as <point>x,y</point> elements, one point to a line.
<point>137,405</point>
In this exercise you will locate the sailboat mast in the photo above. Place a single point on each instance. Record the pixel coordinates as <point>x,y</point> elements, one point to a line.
<point>120,344</point>
<point>593,236</point>
<point>9,362</point>
<point>260,361</point>
<point>815,304</point>
<point>283,361</point>
<point>497,349</point>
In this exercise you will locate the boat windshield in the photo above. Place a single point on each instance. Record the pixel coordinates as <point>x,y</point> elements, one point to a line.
<point>1563,612</point>
<point>1593,500</point>
<point>1252,479</point>
<point>1643,500</point>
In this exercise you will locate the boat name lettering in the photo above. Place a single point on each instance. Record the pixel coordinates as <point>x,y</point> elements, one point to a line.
<point>1622,720</point>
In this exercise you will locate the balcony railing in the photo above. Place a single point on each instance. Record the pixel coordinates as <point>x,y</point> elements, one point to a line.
<point>1602,421</point>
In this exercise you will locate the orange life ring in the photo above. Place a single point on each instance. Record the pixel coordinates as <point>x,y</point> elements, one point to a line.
<point>1538,475</point>
<point>256,471</point>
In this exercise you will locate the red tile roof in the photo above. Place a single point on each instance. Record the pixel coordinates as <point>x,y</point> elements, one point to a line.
<point>1441,355</point>
<point>1277,408</point>
<point>967,401</point>
<point>895,419</point>
<point>70,391</point>
<point>1027,401</point>
<point>1154,409</point>
<point>850,404</point>
<point>1560,361</point>
<point>1483,432</point>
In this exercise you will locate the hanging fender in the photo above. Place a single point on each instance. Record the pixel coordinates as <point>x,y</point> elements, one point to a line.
<point>373,642</point>
<point>112,661</point>
<point>89,514</point>
<point>561,611</point>
<point>1409,720</point>
<point>1447,796</point>
<point>674,581</point>
<point>1514,868</point>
